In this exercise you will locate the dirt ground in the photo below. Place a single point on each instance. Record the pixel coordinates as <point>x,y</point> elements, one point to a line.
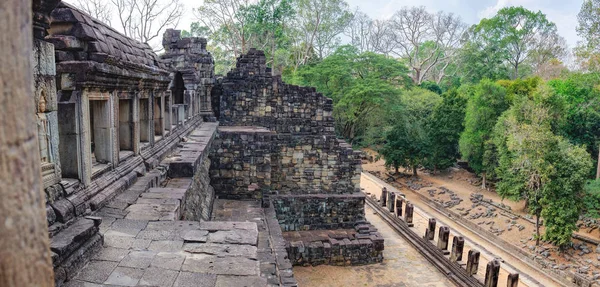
<point>507,219</point>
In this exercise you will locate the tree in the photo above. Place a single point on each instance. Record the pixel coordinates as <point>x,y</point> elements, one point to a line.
<point>369,35</point>
<point>444,128</point>
<point>588,29</point>
<point>581,124</point>
<point>267,20</point>
<point>481,57</point>
<point>486,102</point>
<point>408,143</point>
<point>227,26</point>
<point>145,20</point>
<point>540,167</point>
<point>99,9</point>
<point>25,259</point>
<point>411,28</point>
<point>360,84</point>
<point>520,33</point>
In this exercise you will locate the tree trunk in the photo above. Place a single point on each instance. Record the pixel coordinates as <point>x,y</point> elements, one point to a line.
<point>24,243</point>
<point>483,180</point>
<point>598,168</point>
<point>414,170</point>
<point>537,229</point>
<point>397,171</point>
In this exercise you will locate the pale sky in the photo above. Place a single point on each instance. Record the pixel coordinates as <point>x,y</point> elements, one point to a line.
<point>561,12</point>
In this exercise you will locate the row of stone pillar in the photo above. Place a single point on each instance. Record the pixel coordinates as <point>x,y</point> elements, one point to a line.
<point>458,243</point>
<point>389,198</point>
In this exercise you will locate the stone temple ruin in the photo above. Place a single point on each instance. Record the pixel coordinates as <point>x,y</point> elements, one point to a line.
<point>157,173</point>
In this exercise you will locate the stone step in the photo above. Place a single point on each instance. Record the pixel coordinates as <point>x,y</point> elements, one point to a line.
<point>72,238</point>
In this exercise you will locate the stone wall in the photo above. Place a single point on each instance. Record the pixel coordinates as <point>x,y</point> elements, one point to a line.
<point>302,149</point>
<point>320,211</point>
<point>360,245</point>
<point>189,170</point>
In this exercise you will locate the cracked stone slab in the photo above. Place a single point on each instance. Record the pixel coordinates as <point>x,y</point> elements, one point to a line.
<point>234,237</point>
<point>240,281</point>
<point>111,254</point>
<point>154,276</point>
<point>226,225</point>
<point>138,259</point>
<point>97,271</point>
<point>238,266</point>
<point>168,260</point>
<point>195,236</point>
<point>222,250</point>
<point>192,279</point>
<point>166,246</point>
<point>124,276</point>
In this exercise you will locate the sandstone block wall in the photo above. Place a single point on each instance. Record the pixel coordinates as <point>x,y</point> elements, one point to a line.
<point>304,154</point>
<point>359,245</point>
<point>317,212</point>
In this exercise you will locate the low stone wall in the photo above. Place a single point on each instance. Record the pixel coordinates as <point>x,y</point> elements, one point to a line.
<point>320,211</point>
<point>343,247</point>
<point>189,169</point>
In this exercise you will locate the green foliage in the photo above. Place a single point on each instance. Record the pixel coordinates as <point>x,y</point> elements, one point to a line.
<point>486,102</point>
<point>581,96</point>
<point>362,86</point>
<point>429,85</point>
<point>408,143</point>
<point>513,35</point>
<point>564,192</point>
<point>540,167</point>
<point>444,129</point>
<point>591,199</point>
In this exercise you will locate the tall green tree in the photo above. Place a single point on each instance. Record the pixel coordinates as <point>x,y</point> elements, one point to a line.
<point>444,129</point>
<point>520,33</point>
<point>540,167</point>
<point>360,84</point>
<point>408,143</point>
<point>486,102</point>
<point>581,124</point>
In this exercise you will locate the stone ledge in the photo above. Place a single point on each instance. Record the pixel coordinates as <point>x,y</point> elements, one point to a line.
<point>343,247</point>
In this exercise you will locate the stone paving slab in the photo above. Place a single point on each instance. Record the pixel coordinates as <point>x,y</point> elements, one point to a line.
<point>140,252</point>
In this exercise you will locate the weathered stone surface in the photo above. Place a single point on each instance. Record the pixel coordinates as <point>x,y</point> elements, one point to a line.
<point>222,250</point>
<point>195,236</point>
<point>74,236</point>
<point>124,276</point>
<point>154,276</point>
<point>193,279</point>
<point>202,263</point>
<point>245,281</point>
<point>97,271</point>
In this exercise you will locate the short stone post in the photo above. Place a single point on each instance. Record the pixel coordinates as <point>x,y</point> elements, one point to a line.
<point>472,262</point>
<point>430,231</point>
<point>408,214</point>
<point>492,272</point>
<point>391,201</point>
<point>399,206</point>
<point>443,238</point>
<point>384,193</point>
<point>458,245</point>
<point>513,280</point>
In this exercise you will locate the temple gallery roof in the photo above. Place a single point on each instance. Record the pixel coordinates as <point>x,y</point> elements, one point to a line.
<point>80,41</point>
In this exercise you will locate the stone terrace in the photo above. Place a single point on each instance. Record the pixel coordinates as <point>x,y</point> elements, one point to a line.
<point>145,245</point>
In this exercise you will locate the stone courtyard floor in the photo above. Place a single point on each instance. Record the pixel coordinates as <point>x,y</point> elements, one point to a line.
<point>145,246</point>
<point>402,266</point>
